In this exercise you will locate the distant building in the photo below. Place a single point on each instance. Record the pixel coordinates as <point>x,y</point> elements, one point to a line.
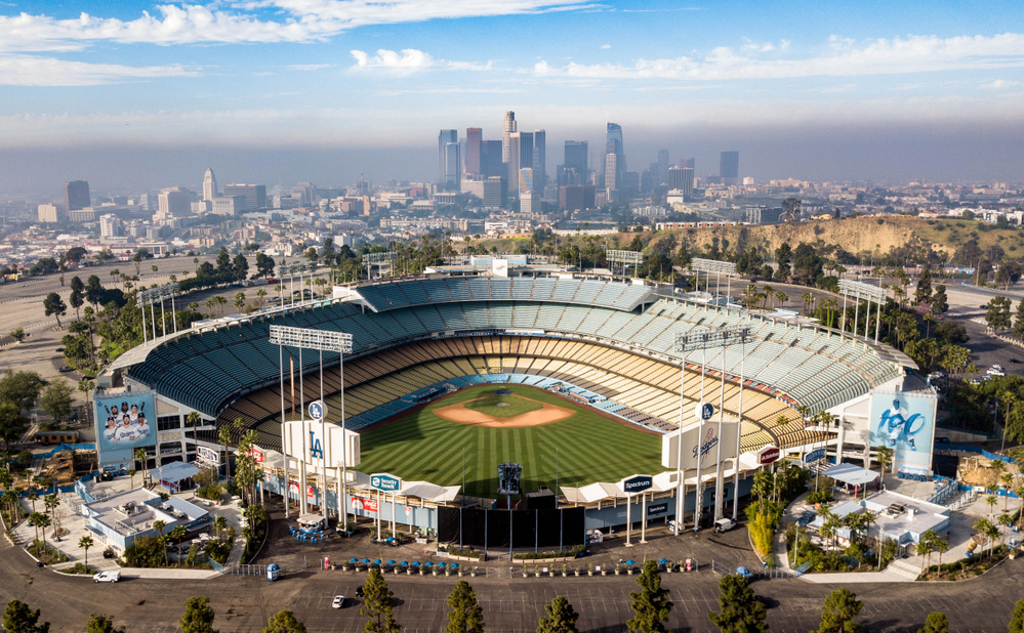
<point>614,145</point>
<point>474,147</point>
<point>729,167</point>
<point>688,162</point>
<point>229,205</point>
<point>681,178</point>
<point>444,139</point>
<point>452,167</point>
<point>574,164</point>
<point>51,213</point>
<point>508,127</point>
<point>76,195</point>
<point>490,159</point>
<point>88,214</point>
<point>255,195</point>
<point>174,202</point>
<point>529,199</point>
<point>763,215</point>
<point>110,226</point>
<point>209,185</point>
<point>576,197</point>
<point>611,172</point>
<point>540,160</point>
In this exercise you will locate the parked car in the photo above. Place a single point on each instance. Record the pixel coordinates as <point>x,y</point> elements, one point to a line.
<point>743,571</point>
<point>724,525</point>
<point>338,602</point>
<point>65,369</point>
<point>108,553</point>
<point>107,576</point>
<point>359,591</point>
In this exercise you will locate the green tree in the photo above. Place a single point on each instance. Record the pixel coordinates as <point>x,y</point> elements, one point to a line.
<point>19,618</point>
<point>18,334</point>
<point>198,616</point>
<point>884,454</point>
<point>741,612</point>
<point>241,267</point>
<point>85,543</point>
<point>378,605</point>
<point>465,615</point>
<point>12,424</point>
<point>224,435</point>
<point>101,624</point>
<point>923,293</point>
<point>650,605</point>
<point>223,261</point>
<point>20,387</point>
<point>1016,620</point>
<point>936,623</point>
<point>56,400</point>
<point>840,608</point>
<point>560,618</point>
<point>41,522</point>
<point>1018,321</point>
<point>284,622</point>
<point>53,304</point>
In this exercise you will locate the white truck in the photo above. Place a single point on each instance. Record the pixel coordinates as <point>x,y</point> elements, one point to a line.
<point>107,576</point>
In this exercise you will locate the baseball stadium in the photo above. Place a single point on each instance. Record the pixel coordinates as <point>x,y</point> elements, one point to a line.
<point>576,379</point>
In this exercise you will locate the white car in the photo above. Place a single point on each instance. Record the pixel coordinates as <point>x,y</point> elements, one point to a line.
<point>724,525</point>
<point>996,370</point>
<point>339,602</point>
<point>107,576</point>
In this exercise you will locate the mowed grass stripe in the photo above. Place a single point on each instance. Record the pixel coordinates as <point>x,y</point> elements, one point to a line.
<point>590,447</point>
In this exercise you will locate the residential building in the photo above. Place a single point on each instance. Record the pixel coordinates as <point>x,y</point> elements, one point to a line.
<point>51,213</point>
<point>88,214</point>
<point>76,195</point>
<point>763,215</point>
<point>110,226</point>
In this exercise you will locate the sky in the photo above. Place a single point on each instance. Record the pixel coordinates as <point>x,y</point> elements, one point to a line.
<point>136,95</point>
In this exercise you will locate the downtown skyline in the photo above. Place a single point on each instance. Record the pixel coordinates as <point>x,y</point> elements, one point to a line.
<point>919,91</point>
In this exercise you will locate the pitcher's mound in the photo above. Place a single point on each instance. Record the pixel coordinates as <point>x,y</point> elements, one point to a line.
<point>546,414</point>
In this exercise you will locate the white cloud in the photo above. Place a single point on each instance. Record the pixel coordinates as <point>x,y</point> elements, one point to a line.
<point>307,67</point>
<point>847,59</point>
<point>605,46</point>
<point>32,70</point>
<point>302,21</point>
<point>999,84</point>
<point>410,60</point>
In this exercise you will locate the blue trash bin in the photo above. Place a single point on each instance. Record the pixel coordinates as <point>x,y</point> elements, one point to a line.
<point>273,572</point>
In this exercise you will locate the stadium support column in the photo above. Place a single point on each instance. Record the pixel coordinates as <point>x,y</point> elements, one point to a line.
<point>345,452</point>
<point>144,333</point>
<point>698,500</point>
<point>680,485</point>
<point>287,504</point>
<point>739,435</point>
<point>878,320</point>
<point>719,488</point>
<point>856,314</point>
<point>842,319</point>
<point>326,444</point>
<point>303,507</point>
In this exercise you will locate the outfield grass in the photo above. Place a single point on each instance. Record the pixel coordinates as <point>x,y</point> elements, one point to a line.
<point>514,405</point>
<point>422,446</point>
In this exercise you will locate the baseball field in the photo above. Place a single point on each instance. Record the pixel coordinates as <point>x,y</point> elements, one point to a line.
<point>528,426</point>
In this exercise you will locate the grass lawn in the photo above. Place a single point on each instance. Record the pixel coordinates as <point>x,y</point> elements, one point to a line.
<point>422,446</point>
<point>514,405</point>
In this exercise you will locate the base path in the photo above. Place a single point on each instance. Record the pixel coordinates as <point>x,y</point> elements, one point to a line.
<point>547,414</point>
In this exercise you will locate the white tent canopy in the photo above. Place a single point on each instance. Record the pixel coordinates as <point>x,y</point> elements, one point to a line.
<point>851,475</point>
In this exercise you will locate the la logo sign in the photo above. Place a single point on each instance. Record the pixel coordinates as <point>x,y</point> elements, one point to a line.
<point>316,449</point>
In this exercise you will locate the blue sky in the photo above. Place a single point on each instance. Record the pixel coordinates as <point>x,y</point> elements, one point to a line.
<point>343,73</point>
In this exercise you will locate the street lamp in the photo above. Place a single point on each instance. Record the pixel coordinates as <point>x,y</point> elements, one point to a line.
<point>321,341</point>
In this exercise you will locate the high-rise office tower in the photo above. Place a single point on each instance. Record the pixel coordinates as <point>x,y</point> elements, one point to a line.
<point>529,200</point>
<point>443,138</point>
<point>508,128</point>
<point>490,160</point>
<point>526,152</point>
<point>474,144</point>
<point>452,163</point>
<point>540,160</point>
<point>255,195</point>
<point>611,171</point>
<point>688,162</point>
<point>613,145</point>
<point>209,185</point>
<point>681,178</point>
<point>574,163</point>
<point>76,195</point>
<point>663,165</point>
<point>512,164</point>
<point>729,167</point>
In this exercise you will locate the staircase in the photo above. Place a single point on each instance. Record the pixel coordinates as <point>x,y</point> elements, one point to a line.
<point>905,568</point>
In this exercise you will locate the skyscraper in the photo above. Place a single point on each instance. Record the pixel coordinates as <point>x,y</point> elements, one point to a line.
<point>574,163</point>
<point>255,195</point>
<point>512,164</point>
<point>76,195</point>
<point>529,201</point>
<point>688,162</point>
<point>611,171</point>
<point>474,143</point>
<point>443,138</point>
<point>729,167</point>
<point>490,160</point>
<point>209,185</point>
<point>452,162</point>
<point>526,152</point>
<point>681,178</point>
<point>540,160</point>
<point>613,145</point>
<point>663,165</point>
<point>508,127</point>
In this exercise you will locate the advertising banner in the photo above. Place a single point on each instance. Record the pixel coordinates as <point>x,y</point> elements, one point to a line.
<point>366,505</point>
<point>905,423</point>
<point>124,422</point>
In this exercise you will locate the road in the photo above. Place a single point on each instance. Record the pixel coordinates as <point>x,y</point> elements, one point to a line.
<point>245,603</point>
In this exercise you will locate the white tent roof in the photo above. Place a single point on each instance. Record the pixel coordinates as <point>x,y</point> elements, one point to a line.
<point>851,474</point>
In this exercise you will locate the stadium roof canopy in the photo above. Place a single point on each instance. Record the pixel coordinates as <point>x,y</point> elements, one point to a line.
<point>851,475</point>
<point>174,472</point>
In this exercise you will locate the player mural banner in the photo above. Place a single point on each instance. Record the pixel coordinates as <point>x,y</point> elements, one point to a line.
<point>125,421</point>
<point>904,422</point>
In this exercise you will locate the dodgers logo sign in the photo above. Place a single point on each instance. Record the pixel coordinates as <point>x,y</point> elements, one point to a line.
<point>709,441</point>
<point>316,449</point>
<point>317,410</point>
<point>704,411</point>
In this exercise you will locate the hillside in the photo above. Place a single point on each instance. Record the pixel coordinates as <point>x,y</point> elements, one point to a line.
<point>862,235</point>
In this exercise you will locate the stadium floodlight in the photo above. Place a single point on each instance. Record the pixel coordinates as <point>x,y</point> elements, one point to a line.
<point>152,296</point>
<point>625,257</point>
<point>707,266</point>
<point>289,270</point>
<point>860,290</point>
<point>321,341</point>
<point>377,259</point>
<point>702,339</point>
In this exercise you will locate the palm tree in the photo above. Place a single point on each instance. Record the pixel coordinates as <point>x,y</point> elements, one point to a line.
<point>224,435</point>
<point>210,303</point>
<point>1006,521</point>
<point>33,520</point>
<point>42,522</point>
<point>240,300</point>
<point>85,543</point>
<point>1007,480</point>
<point>141,457</point>
<point>193,419</point>
<point>178,534</point>
<point>159,526</point>
<point>131,477</point>
<point>220,525</point>
<point>32,497</point>
<point>991,501</point>
<point>884,454</point>
<point>808,300</point>
<point>261,296</point>
<point>50,503</point>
